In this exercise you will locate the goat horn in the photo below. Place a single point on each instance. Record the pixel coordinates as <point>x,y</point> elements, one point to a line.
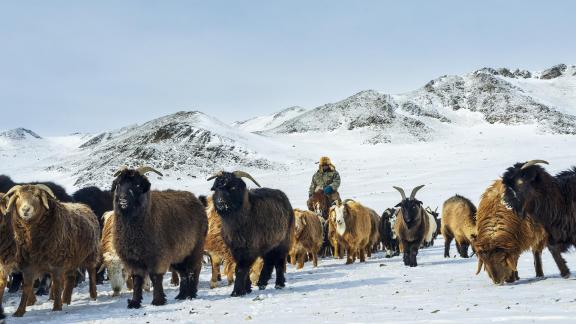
<point>533,162</point>
<point>242,174</point>
<point>414,191</point>
<point>480,264</point>
<point>10,198</point>
<point>401,191</point>
<point>215,175</point>
<point>12,190</point>
<point>122,168</point>
<point>46,189</point>
<point>145,169</point>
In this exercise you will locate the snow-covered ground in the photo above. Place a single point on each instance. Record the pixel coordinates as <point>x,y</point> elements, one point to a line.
<point>463,160</point>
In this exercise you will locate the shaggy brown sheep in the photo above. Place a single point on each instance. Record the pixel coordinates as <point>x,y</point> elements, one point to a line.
<point>308,237</point>
<point>458,222</point>
<point>353,224</point>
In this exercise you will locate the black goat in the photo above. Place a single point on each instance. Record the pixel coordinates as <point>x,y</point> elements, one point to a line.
<point>550,200</point>
<point>255,223</point>
<point>387,235</point>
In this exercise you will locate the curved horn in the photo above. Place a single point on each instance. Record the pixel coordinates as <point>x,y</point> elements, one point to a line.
<point>414,191</point>
<point>401,191</point>
<point>480,264</point>
<point>46,189</point>
<point>145,169</point>
<point>533,162</point>
<point>11,198</point>
<point>122,168</point>
<point>215,175</point>
<point>242,174</point>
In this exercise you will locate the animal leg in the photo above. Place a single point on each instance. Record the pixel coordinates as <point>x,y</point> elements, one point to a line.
<point>463,249</point>
<point>175,280</point>
<point>16,282</point>
<point>447,242</point>
<point>215,263</point>
<point>315,259</point>
<point>136,301</point>
<point>195,265</point>
<point>555,250</point>
<point>27,285</point>
<point>57,288</point>
<point>280,265</point>
<point>538,263</point>
<point>242,273</point>
<point>413,253</point>
<point>93,277</point>
<point>266,273</point>
<point>300,261</point>
<point>362,256</point>
<point>69,283</point>
<point>159,298</point>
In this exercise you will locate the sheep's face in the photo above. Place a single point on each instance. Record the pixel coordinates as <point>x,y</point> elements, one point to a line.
<point>115,272</point>
<point>130,191</point>
<point>229,192</point>
<point>410,211</point>
<point>29,202</point>
<point>500,265</point>
<point>519,186</point>
<point>339,211</point>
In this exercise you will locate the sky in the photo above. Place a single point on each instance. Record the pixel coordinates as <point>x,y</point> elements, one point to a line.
<point>90,66</point>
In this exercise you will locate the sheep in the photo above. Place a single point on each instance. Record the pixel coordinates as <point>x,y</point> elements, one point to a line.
<point>353,225</point>
<point>155,230</point>
<point>7,251</point>
<point>411,226</point>
<point>458,222</point>
<point>374,240</point>
<point>117,272</point>
<point>432,230</point>
<point>255,223</point>
<point>502,236</point>
<point>52,237</point>
<point>387,233</point>
<point>437,224</point>
<point>308,237</point>
<point>549,200</point>
<point>6,184</point>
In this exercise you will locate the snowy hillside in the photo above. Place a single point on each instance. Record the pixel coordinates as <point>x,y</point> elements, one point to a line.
<point>263,123</point>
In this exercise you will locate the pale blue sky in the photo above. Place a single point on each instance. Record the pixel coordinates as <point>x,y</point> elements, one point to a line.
<point>69,66</point>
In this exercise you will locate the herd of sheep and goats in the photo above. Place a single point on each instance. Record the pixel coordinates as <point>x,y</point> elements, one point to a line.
<point>131,235</point>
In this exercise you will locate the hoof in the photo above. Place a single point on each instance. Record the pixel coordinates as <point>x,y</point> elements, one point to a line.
<point>133,304</point>
<point>57,309</point>
<point>180,296</point>
<point>238,293</point>
<point>566,275</point>
<point>159,301</point>
<point>262,287</point>
<point>279,286</point>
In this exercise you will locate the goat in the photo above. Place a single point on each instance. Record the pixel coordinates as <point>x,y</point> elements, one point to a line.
<point>387,233</point>
<point>308,237</point>
<point>412,225</point>
<point>353,225</point>
<point>255,223</point>
<point>458,222</point>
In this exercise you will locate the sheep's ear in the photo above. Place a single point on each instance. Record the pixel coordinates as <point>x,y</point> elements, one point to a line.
<point>44,198</point>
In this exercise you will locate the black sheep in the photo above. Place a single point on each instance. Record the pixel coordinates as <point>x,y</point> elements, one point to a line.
<point>255,223</point>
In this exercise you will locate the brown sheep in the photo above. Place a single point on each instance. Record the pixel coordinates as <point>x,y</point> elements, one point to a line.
<point>458,222</point>
<point>7,250</point>
<point>503,236</point>
<point>156,230</point>
<point>353,224</point>
<point>52,237</point>
<point>308,237</point>
<point>216,248</point>
<point>412,226</point>
<point>374,241</point>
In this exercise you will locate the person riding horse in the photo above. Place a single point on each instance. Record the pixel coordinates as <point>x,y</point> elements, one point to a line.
<point>326,179</point>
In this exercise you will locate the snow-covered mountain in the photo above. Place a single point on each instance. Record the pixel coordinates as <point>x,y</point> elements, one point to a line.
<point>185,144</point>
<point>263,123</point>
<point>19,134</point>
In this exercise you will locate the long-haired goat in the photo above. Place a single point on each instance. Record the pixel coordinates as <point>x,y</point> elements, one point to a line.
<point>387,233</point>
<point>458,222</point>
<point>353,225</point>
<point>412,225</point>
<point>502,236</point>
<point>308,237</point>
<point>255,223</point>
<point>156,230</point>
<point>43,225</point>
<point>550,200</point>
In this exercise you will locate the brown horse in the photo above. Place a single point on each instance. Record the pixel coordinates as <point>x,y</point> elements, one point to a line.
<point>319,203</point>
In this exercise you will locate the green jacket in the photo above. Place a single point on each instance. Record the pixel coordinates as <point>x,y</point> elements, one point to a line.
<point>322,179</point>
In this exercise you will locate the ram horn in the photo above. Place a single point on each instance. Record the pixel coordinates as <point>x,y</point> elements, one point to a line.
<point>46,189</point>
<point>532,162</point>
<point>145,169</point>
<point>11,198</point>
<point>122,169</point>
<point>401,191</point>
<point>414,191</point>
<point>215,175</point>
<point>242,174</point>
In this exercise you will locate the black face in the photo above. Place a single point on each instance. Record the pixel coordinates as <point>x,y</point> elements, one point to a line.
<point>410,210</point>
<point>228,193</point>
<point>519,185</point>
<point>129,190</point>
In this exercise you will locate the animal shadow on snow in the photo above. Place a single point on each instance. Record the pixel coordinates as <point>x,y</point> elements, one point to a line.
<point>339,285</point>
